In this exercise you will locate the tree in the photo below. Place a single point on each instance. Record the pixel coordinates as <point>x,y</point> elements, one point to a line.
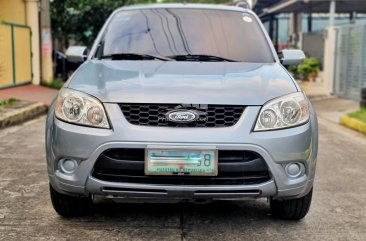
<point>198,1</point>
<point>81,20</point>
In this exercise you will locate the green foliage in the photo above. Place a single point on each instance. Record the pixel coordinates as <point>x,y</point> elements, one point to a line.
<point>81,20</point>
<point>293,69</point>
<point>359,115</point>
<point>55,84</point>
<point>8,101</point>
<point>196,1</point>
<point>310,66</point>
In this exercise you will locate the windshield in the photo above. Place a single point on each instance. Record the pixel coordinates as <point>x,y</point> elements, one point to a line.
<point>170,32</point>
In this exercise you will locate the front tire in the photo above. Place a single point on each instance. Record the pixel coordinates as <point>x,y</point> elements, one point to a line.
<point>291,209</point>
<point>70,206</point>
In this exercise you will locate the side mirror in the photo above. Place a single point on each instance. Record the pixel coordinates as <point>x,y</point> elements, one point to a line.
<point>77,54</point>
<point>292,57</point>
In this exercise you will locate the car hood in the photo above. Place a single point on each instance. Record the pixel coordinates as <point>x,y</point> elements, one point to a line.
<point>182,82</point>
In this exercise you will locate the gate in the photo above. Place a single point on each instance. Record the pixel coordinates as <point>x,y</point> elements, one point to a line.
<point>350,61</point>
<point>15,54</point>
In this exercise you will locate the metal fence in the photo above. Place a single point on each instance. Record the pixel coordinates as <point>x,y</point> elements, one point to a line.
<point>350,61</point>
<point>15,54</point>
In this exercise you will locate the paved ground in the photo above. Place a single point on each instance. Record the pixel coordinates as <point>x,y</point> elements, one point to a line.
<point>35,93</point>
<point>338,211</point>
<point>314,89</point>
<point>332,108</point>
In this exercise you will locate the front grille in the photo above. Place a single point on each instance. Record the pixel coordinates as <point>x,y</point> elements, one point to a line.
<point>155,114</point>
<point>234,168</point>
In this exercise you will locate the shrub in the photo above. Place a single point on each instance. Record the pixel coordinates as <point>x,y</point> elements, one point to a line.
<point>55,84</point>
<point>293,70</point>
<point>311,66</point>
<point>8,101</point>
<point>360,115</point>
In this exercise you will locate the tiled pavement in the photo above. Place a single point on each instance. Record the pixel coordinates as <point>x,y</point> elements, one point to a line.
<point>34,93</point>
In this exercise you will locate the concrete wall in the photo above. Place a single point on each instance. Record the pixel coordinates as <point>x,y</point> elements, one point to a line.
<point>32,14</point>
<point>24,12</point>
<point>313,45</point>
<point>330,58</point>
<point>13,11</point>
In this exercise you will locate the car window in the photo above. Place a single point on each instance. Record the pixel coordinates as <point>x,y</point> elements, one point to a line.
<point>173,31</point>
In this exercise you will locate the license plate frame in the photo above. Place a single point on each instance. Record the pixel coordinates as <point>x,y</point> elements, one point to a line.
<point>210,170</point>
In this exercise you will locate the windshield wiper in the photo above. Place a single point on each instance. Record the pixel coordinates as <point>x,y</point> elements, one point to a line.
<point>200,57</point>
<point>134,56</point>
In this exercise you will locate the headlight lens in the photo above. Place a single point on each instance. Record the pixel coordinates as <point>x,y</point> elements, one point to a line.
<point>287,111</point>
<point>79,108</point>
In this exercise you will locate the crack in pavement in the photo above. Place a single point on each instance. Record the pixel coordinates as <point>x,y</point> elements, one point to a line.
<point>181,227</point>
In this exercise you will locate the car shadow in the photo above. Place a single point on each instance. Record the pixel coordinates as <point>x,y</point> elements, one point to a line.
<point>215,221</point>
<point>183,214</point>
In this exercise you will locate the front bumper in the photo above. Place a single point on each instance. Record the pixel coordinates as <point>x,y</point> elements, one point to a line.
<point>86,144</point>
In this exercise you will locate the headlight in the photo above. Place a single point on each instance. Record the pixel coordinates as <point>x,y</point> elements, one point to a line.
<point>287,111</point>
<point>79,108</point>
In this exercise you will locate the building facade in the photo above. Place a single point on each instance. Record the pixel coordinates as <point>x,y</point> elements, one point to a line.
<point>20,44</point>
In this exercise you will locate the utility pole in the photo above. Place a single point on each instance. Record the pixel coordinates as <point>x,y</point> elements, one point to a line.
<point>32,20</point>
<point>46,42</point>
<point>332,9</point>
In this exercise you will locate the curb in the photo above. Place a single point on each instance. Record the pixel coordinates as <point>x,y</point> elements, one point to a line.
<point>353,123</point>
<point>20,115</point>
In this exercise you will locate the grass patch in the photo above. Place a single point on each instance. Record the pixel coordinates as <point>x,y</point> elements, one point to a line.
<point>55,84</point>
<point>359,115</point>
<point>8,101</point>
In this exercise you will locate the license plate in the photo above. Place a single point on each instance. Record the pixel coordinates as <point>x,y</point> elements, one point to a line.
<point>181,162</point>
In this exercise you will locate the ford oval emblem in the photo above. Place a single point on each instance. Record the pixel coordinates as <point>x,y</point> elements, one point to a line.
<point>182,116</point>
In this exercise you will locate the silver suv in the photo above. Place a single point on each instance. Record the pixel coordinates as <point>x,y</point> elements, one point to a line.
<point>182,102</point>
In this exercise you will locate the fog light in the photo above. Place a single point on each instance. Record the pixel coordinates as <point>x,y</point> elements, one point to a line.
<point>68,166</point>
<point>295,169</point>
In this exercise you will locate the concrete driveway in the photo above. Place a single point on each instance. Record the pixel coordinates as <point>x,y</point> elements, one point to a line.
<point>338,211</point>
